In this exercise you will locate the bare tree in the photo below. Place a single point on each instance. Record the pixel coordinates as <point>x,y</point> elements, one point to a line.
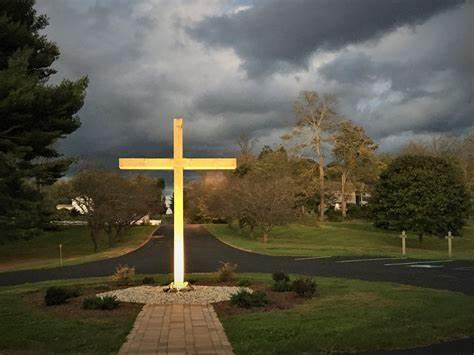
<point>206,197</point>
<point>305,174</point>
<point>437,146</point>
<point>88,194</point>
<point>316,120</point>
<point>246,157</point>
<point>266,200</point>
<point>129,199</point>
<point>353,151</point>
<point>266,195</point>
<point>258,199</point>
<point>111,202</point>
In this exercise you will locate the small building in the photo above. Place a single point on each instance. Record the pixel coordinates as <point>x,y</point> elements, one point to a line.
<point>76,204</point>
<point>352,198</point>
<point>147,221</point>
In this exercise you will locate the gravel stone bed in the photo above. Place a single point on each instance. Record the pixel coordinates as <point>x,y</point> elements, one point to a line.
<point>156,294</point>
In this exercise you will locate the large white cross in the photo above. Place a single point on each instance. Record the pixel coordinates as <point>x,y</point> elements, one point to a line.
<point>178,164</point>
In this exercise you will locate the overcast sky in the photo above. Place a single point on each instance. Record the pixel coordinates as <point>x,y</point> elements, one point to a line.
<point>403,69</point>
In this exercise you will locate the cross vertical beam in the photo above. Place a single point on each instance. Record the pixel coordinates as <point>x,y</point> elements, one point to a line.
<point>178,214</point>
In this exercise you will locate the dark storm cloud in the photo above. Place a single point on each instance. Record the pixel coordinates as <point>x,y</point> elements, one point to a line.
<point>147,63</point>
<point>241,101</point>
<point>277,35</point>
<point>106,43</point>
<point>429,79</point>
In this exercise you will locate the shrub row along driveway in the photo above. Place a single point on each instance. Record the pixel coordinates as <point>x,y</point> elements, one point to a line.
<point>204,254</point>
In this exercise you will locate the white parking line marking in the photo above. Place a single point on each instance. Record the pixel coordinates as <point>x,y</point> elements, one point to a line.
<point>312,257</point>
<point>420,262</point>
<point>426,266</point>
<point>360,260</point>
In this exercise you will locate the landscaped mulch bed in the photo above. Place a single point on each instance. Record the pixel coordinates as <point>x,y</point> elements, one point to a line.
<point>278,301</point>
<point>73,307</point>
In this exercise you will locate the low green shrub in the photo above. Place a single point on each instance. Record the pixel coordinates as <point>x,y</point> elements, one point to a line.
<point>281,286</point>
<point>359,212</point>
<point>59,295</point>
<point>281,282</point>
<point>92,303</point>
<point>55,295</point>
<point>246,299</point>
<point>304,287</point>
<point>109,302</point>
<point>280,276</point>
<point>244,283</point>
<point>333,216</point>
<point>148,280</point>
<point>226,272</point>
<point>104,303</point>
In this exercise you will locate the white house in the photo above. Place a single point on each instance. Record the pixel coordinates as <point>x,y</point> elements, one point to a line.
<point>145,220</point>
<point>352,198</point>
<point>76,204</point>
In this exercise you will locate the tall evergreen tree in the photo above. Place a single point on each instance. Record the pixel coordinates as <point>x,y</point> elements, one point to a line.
<point>34,115</point>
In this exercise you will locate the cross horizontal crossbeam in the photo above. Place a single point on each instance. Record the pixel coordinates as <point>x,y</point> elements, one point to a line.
<point>170,164</point>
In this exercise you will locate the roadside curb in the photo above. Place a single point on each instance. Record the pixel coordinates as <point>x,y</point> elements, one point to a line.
<point>234,246</point>
<point>142,244</point>
<point>150,237</point>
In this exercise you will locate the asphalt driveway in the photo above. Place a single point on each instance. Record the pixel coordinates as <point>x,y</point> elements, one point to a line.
<point>204,253</point>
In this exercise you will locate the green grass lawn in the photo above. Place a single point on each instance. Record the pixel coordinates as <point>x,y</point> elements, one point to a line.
<point>348,315</point>
<point>43,251</point>
<point>352,315</point>
<point>345,239</point>
<point>30,328</point>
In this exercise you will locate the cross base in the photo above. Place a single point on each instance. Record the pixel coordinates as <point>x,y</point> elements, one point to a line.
<point>179,287</point>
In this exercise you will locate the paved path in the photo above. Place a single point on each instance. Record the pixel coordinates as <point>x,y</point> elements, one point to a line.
<point>177,329</point>
<point>204,253</point>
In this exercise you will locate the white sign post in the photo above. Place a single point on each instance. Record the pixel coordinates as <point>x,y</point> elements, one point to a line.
<point>450,237</point>
<point>60,254</point>
<point>404,237</point>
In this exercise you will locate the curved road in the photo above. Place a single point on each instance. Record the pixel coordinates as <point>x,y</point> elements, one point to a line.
<point>204,254</point>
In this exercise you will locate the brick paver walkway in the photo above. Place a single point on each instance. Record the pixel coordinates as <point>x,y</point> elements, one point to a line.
<point>177,329</point>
